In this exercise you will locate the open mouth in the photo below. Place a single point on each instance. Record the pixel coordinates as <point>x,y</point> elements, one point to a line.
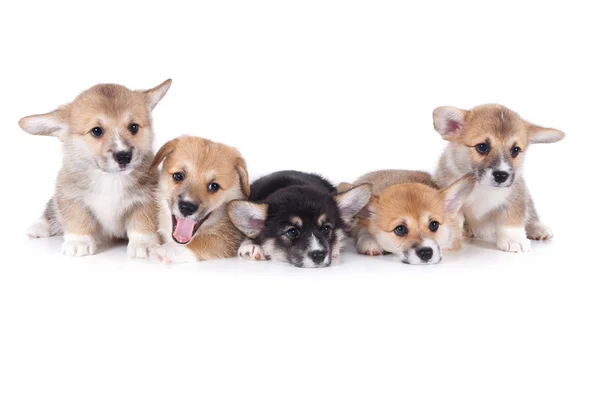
<point>184,229</point>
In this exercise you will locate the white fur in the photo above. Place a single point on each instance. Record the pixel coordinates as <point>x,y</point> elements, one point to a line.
<point>39,229</point>
<point>538,231</point>
<point>366,244</point>
<point>250,251</point>
<point>78,245</point>
<point>172,253</point>
<point>484,199</point>
<point>140,245</point>
<point>512,240</point>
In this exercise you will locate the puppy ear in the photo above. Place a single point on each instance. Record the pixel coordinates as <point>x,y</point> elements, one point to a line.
<point>344,186</point>
<point>369,211</point>
<point>248,217</point>
<point>449,121</point>
<point>351,202</point>
<point>242,171</point>
<point>542,135</point>
<point>52,124</point>
<point>456,194</point>
<point>163,152</point>
<point>154,95</point>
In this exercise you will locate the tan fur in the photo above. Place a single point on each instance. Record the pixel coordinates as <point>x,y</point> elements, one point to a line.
<point>402,197</point>
<point>492,211</point>
<point>93,198</point>
<point>202,162</point>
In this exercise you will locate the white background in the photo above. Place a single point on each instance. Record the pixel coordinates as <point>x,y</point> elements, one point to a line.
<point>339,88</point>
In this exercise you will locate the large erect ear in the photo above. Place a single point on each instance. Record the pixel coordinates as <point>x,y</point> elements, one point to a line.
<point>52,124</point>
<point>154,95</point>
<point>542,135</point>
<point>163,152</point>
<point>352,201</point>
<point>456,194</point>
<point>248,217</point>
<point>242,170</point>
<point>449,121</point>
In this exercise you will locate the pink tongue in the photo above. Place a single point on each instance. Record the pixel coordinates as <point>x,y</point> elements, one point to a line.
<point>183,230</point>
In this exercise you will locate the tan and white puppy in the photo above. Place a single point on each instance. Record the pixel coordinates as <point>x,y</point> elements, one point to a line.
<point>409,216</point>
<point>491,141</point>
<point>199,178</point>
<point>105,188</point>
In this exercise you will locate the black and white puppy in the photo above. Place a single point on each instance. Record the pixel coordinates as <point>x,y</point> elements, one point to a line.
<point>296,217</point>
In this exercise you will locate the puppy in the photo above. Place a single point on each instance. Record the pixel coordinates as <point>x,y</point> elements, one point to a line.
<point>409,216</point>
<point>105,188</point>
<point>198,178</point>
<point>295,217</point>
<point>491,141</point>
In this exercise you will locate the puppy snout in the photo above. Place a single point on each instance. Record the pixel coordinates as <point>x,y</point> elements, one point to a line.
<point>187,208</point>
<point>500,176</point>
<point>425,253</point>
<point>123,157</point>
<point>318,256</point>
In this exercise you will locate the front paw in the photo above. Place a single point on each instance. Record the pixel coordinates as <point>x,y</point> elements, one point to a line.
<point>140,245</point>
<point>369,247</point>
<point>538,231</point>
<point>78,245</point>
<point>172,253</point>
<point>514,245</point>
<point>250,251</point>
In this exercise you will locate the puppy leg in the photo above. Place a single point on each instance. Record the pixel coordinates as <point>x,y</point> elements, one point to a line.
<point>173,253</point>
<point>366,244</point>
<point>142,231</point>
<point>79,226</point>
<point>510,230</point>
<point>251,251</point>
<point>536,230</point>
<point>47,225</point>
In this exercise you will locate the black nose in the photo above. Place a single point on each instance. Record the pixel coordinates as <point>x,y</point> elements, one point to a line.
<point>425,253</point>
<point>187,208</point>
<point>500,176</point>
<point>123,158</point>
<point>317,256</point>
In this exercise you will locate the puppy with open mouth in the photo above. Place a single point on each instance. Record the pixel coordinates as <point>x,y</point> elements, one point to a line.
<point>296,217</point>
<point>105,188</point>
<point>199,178</point>
<point>409,216</point>
<point>491,141</point>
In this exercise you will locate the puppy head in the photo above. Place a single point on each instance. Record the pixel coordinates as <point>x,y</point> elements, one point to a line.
<point>300,225</point>
<point>199,177</point>
<point>494,137</point>
<point>413,220</point>
<point>107,127</point>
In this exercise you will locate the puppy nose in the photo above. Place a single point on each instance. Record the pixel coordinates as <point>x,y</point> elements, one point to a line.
<point>187,208</point>
<point>425,253</point>
<point>500,176</point>
<point>123,157</point>
<point>317,256</point>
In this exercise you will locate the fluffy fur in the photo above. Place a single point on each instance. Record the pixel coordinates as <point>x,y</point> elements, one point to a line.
<point>198,178</point>
<point>296,217</point>
<point>491,141</point>
<point>105,187</point>
<point>409,216</point>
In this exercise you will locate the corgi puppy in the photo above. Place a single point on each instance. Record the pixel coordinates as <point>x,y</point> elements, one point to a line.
<point>295,217</point>
<point>105,188</point>
<point>491,141</point>
<point>409,216</point>
<point>198,178</point>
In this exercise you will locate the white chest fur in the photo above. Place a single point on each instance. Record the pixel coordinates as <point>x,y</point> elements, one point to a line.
<point>485,199</point>
<point>109,197</point>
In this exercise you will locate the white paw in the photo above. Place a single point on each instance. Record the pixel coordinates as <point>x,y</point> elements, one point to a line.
<point>39,229</point>
<point>514,245</point>
<point>367,245</point>
<point>172,253</point>
<point>250,251</point>
<point>538,231</point>
<point>140,245</point>
<point>78,245</point>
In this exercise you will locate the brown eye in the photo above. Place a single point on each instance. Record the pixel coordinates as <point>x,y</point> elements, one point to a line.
<point>401,230</point>
<point>133,128</point>
<point>213,187</point>
<point>433,226</point>
<point>515,151</point>
<point>97,132</point>
<point>178,177</point>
